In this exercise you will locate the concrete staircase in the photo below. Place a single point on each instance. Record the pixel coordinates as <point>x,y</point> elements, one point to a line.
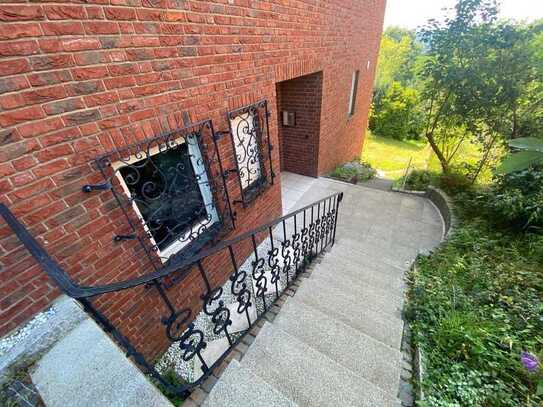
<point>336,342</point>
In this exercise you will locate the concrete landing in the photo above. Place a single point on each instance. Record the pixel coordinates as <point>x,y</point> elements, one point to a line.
<point>86,369</point>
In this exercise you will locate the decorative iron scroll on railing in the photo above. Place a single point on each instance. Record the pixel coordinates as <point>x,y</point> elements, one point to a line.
<point>278,252</point>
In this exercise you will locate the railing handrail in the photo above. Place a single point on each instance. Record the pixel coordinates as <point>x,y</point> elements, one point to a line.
<point>77,291</point>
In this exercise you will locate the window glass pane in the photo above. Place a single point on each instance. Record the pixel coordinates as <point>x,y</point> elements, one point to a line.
<point>166,192</point>
<point>354,87</point>
<point>247,148</point>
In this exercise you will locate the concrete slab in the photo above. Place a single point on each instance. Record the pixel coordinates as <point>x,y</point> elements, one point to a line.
<point>86,369</point>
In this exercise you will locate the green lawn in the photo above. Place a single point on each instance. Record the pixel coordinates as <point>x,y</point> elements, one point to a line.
<point>391,157</point>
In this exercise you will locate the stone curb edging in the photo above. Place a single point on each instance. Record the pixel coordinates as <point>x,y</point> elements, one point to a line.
<point>445,206</point>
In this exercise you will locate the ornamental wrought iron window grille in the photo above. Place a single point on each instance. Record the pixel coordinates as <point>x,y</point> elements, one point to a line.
<point>172,191</point>
<point>252,147</point>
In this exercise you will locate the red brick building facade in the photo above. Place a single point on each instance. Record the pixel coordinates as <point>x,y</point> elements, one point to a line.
<point>79,79</point>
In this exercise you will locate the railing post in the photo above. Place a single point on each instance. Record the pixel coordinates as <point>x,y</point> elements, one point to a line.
<point>338,200</point>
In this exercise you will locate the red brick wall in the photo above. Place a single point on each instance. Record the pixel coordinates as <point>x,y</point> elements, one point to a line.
<point>79,78</point>
<point>300,143</point>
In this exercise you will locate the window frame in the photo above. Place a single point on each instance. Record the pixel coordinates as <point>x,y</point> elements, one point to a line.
<point>200,170</point>
<point>353,94</point>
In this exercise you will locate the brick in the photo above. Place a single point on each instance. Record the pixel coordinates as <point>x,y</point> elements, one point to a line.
<point>101,99</point>
<point>44,95</point>
<point>35,129</point>
<point>51,168</point>
<point>85,88</point>
<point>15,30</point>
<point>65,12</point>
<point>49,78</point>
<point>6,169</point>
<point>119,13</point>
<point>36,188</point>
<point>80,44</point>
<point>101,27</point>
<point>82,117</point>
<point>12,84</point>
<point>21,13</point>
<point>91,58</point>
<point>60,136</point>
<point>24,163</point>
<point>14,66</point>
<point>90,73</point>
<point>54,152</point>
<point>19,116</point>
<point>63,28</point>
<point>42,63</point>
<point>16,48</point>
<point>63,106</point>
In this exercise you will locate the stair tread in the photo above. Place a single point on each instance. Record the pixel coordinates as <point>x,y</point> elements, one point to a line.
<point>367,296</point>
<point>307,376</point>
<point>338,275</point>
<point>383,326</point>
<point>238,386</point>
<point>360,353</point>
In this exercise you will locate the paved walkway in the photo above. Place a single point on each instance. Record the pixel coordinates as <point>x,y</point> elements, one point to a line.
<point>337,341</point>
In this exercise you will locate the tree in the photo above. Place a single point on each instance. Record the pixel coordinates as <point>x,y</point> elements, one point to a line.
<point>395,114</point>
<point>481,75</point>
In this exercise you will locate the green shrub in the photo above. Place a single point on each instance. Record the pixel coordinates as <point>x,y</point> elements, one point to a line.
<point>353,172</point>
<point>475,305</point>
<point>396,113</point>
<point>418,180</point>
<point>454,182</point>
<point>514,201</point>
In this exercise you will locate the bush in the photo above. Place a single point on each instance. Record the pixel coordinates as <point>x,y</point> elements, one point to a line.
<point>353,172</point>
<point>474,307</point>
<point>514,201</point>
<point>418,180</point>
<point>395,114</point>
<point>454,182</point>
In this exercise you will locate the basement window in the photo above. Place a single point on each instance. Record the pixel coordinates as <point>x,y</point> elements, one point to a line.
<point>246,138</point>
<point>169,190</point>
<point>354,90</point>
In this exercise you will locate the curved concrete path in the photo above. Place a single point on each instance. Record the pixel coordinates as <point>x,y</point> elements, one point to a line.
<point>337,341</point>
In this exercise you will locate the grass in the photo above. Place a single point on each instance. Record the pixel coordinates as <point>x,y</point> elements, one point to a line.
<point>391,157</point>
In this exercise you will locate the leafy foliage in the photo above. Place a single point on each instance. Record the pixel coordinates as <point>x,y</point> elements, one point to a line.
<point>395,114</point>
<point>514,201</point>
<point>475,305</point>
<point>353,172</point>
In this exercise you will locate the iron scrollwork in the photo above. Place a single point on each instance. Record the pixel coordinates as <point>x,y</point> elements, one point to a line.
<point>171,190</point>
<point>252,147</point>
<point>244,296</point>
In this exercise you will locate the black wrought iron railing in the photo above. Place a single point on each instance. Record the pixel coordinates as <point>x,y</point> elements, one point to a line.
<point>261,264</point>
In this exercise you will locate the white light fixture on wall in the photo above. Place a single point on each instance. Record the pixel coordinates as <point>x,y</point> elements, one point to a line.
<point>288,118</point>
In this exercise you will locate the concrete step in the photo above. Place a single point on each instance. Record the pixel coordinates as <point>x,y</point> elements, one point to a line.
<point>360,353</point>
<point>86,369</point>
<point>306,376</point>
<point>366,266</point>
<point>383,326</point>
<point>364,295</point>
<point>386,253</point>
<point>239,387</point>
<point>363,289</point>
<point>359,277</point>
